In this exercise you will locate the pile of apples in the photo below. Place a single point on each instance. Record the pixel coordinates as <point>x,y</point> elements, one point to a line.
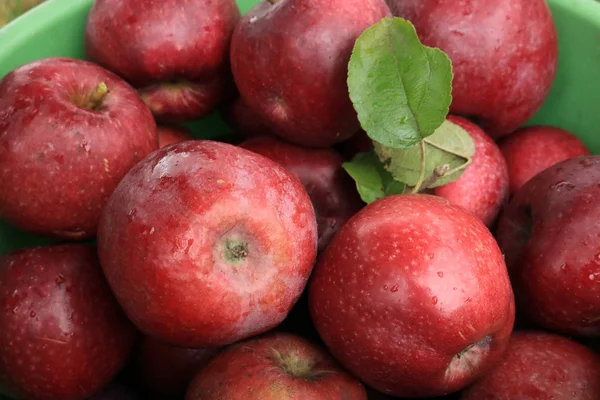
<point>207,270</point>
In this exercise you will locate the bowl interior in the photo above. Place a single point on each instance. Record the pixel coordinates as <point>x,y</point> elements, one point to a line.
<point>56,28</point>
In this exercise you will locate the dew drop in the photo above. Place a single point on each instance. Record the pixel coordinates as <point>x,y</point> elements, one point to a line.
<point>562,184</point>
<point>434,300</point>
<point>385,287</point>
<point>86,147</point>
<point>32,314</point>
<point>440,274</point>
<point>563,268</point>
<point>15,310</point>
<point>394,288</point>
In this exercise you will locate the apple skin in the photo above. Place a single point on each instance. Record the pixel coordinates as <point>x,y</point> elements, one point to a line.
<point>405,289</point>
<point>176,52</point>
<point>528,151</point>
<point>165,371</point>
<point>243,120</point>
<point>548,233</point>
<point>62,334</point>
<point>274,367</point>
<point>332,191</point>
<point>59,162</point>
<point>504,55</point>
<point>221,239</point>
<point>172,134</point>
<point>482,189</point>
<point>290,63</point>
<point>541,366</point>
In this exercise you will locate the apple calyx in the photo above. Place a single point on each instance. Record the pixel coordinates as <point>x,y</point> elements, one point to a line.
<point>235,251</point>
<point>96,99</point>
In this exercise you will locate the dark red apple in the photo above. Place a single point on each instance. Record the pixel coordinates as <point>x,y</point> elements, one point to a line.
<point>172,134</point>
<point>412,296</point>
<point>290,62</point>
<point>332,191</point>
<point>359,143</point>
<point>62,334</point>
<point>503,52</point>
<point>176,52</point>
<point>549,233</point>
<point>482,189</point>
<point>530,150</point>
<point>541,366</point>
<point>165,371</point>
<point>69,131</point>
<point>206,243</point>
<point>274,367</point>
<point>243,120</point>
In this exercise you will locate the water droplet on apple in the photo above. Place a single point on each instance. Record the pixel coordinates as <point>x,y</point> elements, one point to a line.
<point>431,256</point>
<point>434,300</point>
<point>385,287</point>
<point>32,314</point>
<point>70,317</point>
<point>440,274</point>
<point>394,288</point>
<point>15,310</point>
<point>563,268</point>
<point>86,147</point>
<point>562,184</point>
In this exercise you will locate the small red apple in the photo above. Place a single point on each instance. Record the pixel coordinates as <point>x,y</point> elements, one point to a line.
<point>172,134</point>
<point>549,233</point>
<point>165,371</point>
<point>175,52</point>
<point>504,55</point>
<point>69,131</point>
<point>332,191</point>
<point>274,367</point>
<point>206,243</point>
<point>289,59</point>
<point>412,296</point>
<point>243,120</point>
<point>530,150</point>
<point>62,334</point>
<point>540,366</point>
<point>482,189</point>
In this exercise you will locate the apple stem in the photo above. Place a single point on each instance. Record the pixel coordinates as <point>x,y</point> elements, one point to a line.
<point>95,99</point>
<point>438,173</point>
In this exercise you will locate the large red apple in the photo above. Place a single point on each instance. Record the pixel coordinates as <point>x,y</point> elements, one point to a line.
<point>549,233</point>
<point>530,150</point>
<point>290,62</point>
<point>62,334</point>
<point>332,191</point>
<point>412,296</point>
<point>206,243</point>
<point>539,366</point>
<point>69,131</point>
<point>503,52</point>
<point>164,371</point>
<point>274,367</point>
<point>176,52</point>
<point>482,189</point>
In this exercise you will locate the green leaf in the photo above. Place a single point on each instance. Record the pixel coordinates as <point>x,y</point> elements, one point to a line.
<point>437,160</point>
<point>372,180</point>
<point>400,88</point>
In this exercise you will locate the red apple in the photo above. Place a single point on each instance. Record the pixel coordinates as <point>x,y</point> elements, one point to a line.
<point>503,52</point>
<point>274,367</point>
<point>62,334</point>
<point>332,191</point>
<point>530,150</point>
<point>539,366</point>
<point>290,62</point>
<point>482,189</point>
<point>172,134</point>
<point>549,233</point>
<point>412,296</point>
<point>243,120</point>
<point>165,371</point>
<point>65,143</point>
<point>176,52</point>
<point>206,243</point>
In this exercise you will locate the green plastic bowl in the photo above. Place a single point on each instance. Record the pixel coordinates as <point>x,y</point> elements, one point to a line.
<point>55,28</point>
